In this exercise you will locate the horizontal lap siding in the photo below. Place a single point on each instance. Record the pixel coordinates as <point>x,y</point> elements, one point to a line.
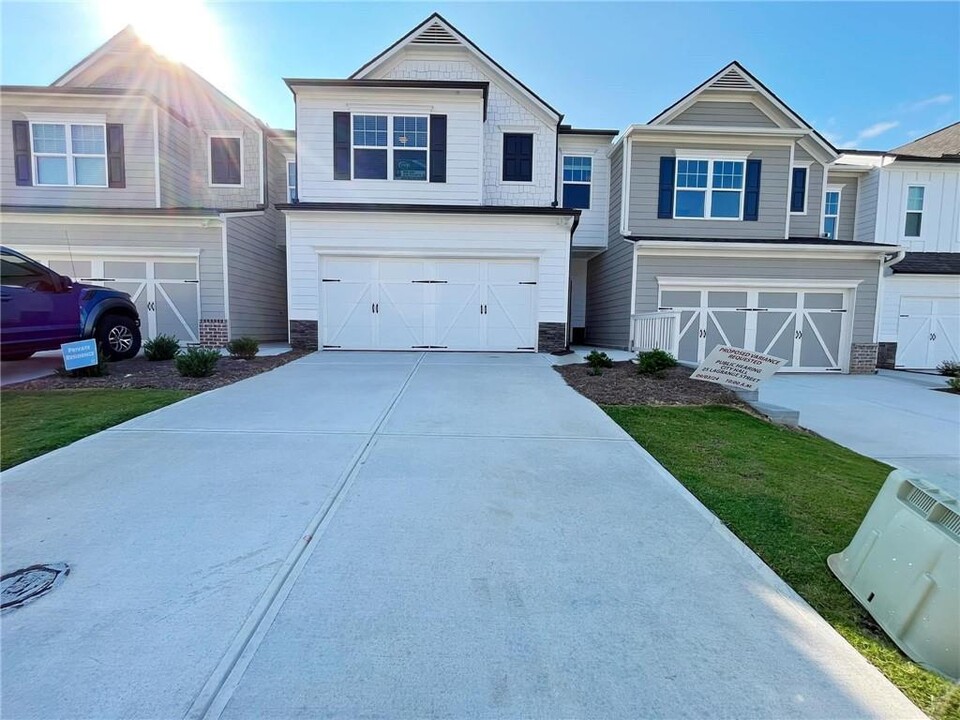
<point>426,236</point>
<point>644,191</point>
<point>138,235</point>
<point>723,114</point>
<point>136,116</point>
<point>848,203</point>
<point>649,268</point>
<point>609,275</point>
<point>315,146</point>
<point>176,188</point>
<point>808,224</point>
<point>257,279</point>
<point>866,223</point>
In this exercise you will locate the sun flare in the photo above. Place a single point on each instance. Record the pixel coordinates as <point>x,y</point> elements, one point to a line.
<point>186,31</point>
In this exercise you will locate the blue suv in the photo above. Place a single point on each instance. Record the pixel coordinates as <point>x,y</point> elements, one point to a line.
<point>40,309</point>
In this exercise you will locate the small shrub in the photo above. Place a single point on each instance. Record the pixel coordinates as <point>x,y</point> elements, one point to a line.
<point>599,360</point>
<point>197,362</point>
<point>654,361</point>
<point>950,368</point>
<point>162,347</point>
<point>101,369</point>
<point>245,348</point>
<point>954,384</point>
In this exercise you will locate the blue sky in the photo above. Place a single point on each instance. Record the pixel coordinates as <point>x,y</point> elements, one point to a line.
<point>871,75</point>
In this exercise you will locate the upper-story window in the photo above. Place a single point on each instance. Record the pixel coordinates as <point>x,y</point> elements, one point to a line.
<point>404,157</point>
<point>291,181</point>
<point>69,154</point>
<point>914,218</point>
<point>831,213</point>
<point>711,188</point>
<point>226,160</point>
<point>517,157</point>
<point>577,180</point>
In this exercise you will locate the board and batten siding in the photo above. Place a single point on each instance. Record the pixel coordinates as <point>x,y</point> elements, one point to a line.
<point>848,202</point>
<point>312,234</point>
<point>645,182</point>
<point>507,111</point>
<point>649,268</point>
<point>315,109</point>
<point>592,230</point>
<point>136,116</point>
<point>940,228</point>
<point>84,238</point>
<point>609,275</point>
<point>723,114</point>
<point>808,223</point>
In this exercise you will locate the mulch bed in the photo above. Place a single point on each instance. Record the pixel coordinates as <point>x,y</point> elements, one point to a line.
<point>623,385</point>
<point>141,373</point>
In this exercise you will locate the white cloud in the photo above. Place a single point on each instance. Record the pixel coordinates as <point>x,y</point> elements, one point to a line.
<point>875,130</point>
<point>941,99</point>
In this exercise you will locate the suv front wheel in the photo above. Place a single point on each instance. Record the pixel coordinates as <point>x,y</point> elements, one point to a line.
<point>119,337</point>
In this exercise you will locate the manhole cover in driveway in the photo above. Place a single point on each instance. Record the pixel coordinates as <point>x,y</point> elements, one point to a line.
<point>22,586</point>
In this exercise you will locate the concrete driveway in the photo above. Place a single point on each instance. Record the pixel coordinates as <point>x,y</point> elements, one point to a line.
<point>39,365</point>
<point>398,535</point>
<point>896,417</point>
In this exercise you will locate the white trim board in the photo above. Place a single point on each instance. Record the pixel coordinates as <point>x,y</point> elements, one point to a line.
<point>673,283</point>
<point>107,219</point>
<point>112,251</point>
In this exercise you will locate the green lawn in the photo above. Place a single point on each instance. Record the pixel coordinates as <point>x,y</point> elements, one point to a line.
<point>34,423</point>
<point>794,499</point>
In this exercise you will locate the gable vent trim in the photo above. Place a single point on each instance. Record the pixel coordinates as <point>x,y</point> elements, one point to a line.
<point>436,34</point>
<point>732,81</point>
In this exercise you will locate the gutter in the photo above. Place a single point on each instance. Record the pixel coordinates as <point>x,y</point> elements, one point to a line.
<point>892,259</point>
<point>556,163</point>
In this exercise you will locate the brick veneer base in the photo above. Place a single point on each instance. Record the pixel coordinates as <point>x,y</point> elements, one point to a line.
<point>887,355</point>
<point>863,358</point>
<point>551,337</point>
<point>304,335</point>
<point>213,333</point>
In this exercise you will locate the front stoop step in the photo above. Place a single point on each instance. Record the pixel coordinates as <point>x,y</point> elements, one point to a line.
<point>777,413</point>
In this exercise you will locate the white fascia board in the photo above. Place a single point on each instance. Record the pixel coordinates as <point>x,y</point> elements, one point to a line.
<point>852,169</point>
<point>772,250</point>
<point>672,281</point>
<point>112,251</point>
<point>26,218</point>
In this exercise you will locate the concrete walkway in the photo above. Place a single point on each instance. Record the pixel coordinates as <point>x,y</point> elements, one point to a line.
<point>895,417</point>
<point>404,536</point>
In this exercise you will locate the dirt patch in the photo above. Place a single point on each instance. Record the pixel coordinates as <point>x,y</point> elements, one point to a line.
<point>623,385</point>
<point>141,373</point>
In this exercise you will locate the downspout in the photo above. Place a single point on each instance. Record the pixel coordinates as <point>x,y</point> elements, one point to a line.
<point>569,324</point>
<point>556,164</point>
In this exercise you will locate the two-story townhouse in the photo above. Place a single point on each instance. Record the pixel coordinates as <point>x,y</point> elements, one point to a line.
<point>729,224</point>
<point>429,207</point>
<point>134,172</point>
<point>911,198</point>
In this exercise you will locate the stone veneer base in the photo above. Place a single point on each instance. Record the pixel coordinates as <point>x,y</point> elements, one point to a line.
<point>213,333</point>
<point>304,335</point>
<point>551,337</point>
<point>863,358</point>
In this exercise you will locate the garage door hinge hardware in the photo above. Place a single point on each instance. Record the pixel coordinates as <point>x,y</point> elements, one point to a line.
<point>430,282</point>
<point>749,309</point>
<point>528,282</point>
<point>428,347</point>
<point>195,282</point>
<point>664,308</point>
<point>330,280</point>
<point>98,279</point>
<point>840,311</point>
<point>332,347</point>
<point>904,316</point>
<point>526,348</point>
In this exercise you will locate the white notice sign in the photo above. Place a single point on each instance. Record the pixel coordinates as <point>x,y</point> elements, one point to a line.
<point>737,368</point>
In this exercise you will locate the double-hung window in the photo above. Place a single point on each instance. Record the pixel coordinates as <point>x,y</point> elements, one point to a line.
<point>409,147</point>
<point>831,213</point>
<point>69,154</point>
<point>291,181</point>
<point>577,178</point>
<point>370,147</point>
<point>914,217</point>
<point>711,188</point>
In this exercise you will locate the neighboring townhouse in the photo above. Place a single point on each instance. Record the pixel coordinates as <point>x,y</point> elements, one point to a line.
<point>429,213</point>
<point>911,197</point>
<point>730,224</point>
<point>134,172</point>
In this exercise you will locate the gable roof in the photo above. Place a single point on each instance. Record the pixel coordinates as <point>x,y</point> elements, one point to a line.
<point>941,143</point>
<point>94,92</point>
<point>734,77</point>
<point>437,30</point>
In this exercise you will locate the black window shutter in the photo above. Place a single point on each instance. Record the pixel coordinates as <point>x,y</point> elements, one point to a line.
<point>341,146</point>
<point>517,157</point>
<point>438,148</point>
<point>799,190</point>
<point>751,198</point>
<point>668,167</point>
<point>116,172</point>
<point>21,152</point>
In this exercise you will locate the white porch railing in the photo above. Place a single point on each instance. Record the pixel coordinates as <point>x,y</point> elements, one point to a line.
<point>656,330</point>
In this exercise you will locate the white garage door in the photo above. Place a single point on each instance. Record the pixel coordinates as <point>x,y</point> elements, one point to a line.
<point>928,331</point>
<point>804,327</point>
<point>424,304</point>
<point>166,291</point>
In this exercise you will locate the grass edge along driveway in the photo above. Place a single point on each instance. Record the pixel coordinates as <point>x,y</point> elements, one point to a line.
<point>35,422</point>
<point>793,498</point>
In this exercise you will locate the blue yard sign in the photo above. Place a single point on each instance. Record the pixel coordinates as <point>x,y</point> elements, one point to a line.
<point>80,354</point>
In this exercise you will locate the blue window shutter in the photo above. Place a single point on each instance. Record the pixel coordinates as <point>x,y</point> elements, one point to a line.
<point>751,198</point>
<point>798,192</point>
<point>21,152</point>
<point>438,148</point>
<point>668,167</point>
<point>341,146</point>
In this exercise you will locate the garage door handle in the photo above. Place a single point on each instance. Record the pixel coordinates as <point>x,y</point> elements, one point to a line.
<point>933,336</point>
<point>374,307</point>
<point>799,334</point>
